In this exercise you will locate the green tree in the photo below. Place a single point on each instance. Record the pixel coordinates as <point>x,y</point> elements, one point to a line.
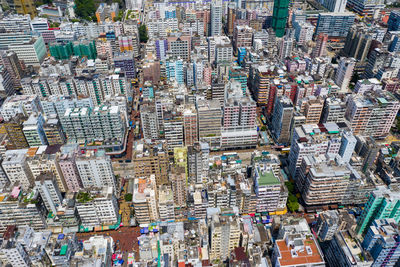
<point>290,186</point>
<point>292,198</point>
<point>293,206</point>
<point>128,197</point>
<point>143,33</point>
<point>119,16</point>
<point>85,8</point>
<point>398,124</point>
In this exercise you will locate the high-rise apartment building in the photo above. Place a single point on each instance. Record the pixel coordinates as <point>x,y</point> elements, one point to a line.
<point>394,21</point>
<point>369,8</point>
<point>219,49</point>
<point>14,211</point>
<point>32,53</point>
<point>166,203</point>
<point>382,241</point>
<point>313,110</point>
<point>11,62</point>
<point>177,177</point>
<point>320,47</point>
<point>53,131</point>
<point>151,161</point>
<point>281,119</point>
<point>179,46</point>
<point>347,146</point>
<point>12,251</point>
<point>225,237</point>
<point>126,62</point>
<point>68,168</point>
<point>323,182</point>
<point>14,130</point>
<point>344,73</point>
<point>358,43</point>
<point>296,245</point>
<point>95,169</point>
<point>173,129</point>
<point>238,74</point>
<point>231,18</point>
<point>333,111</point>
<point>279,17</point>
<point>149,122</point>
<point>383,203</point>
<point>56,105</point>
<point>145,199</point>
<point>334,24</point>
<point>303,32</point>
<point>344,250</point>
<point>16,168</point>
<point>198,165</point>
<point>190,125</point>
<point>242,36</point>
<point>48,190</point>
<point>327,224</point>
<point>97,207</point>
<point>267,187</point>
<point>216,17</point>
<point>334,5</point>
<point>261,84</point>
<point>45,161</point>
<point>239,118</point>
<point>102,123</point>
<point>285,47</point>
<point>33,130</point>
<point>6,83</point>
<point>209,122</point>
<point>372,114</point>
<point>310,139</point>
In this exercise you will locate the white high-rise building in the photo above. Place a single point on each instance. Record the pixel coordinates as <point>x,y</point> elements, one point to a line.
<point>14,253</point>
<point>95,169</point>
<point>347,146</point>
<point>216,17</point>
<point>48,190</point>
<point>148,117</point>
<point>198,166</point>
<point>239,118</point>
<point>334,5</point>
<point>313,139</point>
<point>285,48</point>
<point>46,163</point>
<point>97,208</point>
<point>344,73</point>
<point>16,168</point>
<point>14,211</point>
<point>101,123</point>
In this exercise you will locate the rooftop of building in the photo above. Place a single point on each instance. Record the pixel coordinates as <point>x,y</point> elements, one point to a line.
<point>16,99</point>
<point>88,195</point>
<point>352,249</point>
<point>205,105</point>
<point>309,254</point>
<point>322,166</point>
<point>390,194</point>
<point>143,149</point>
<point>372,98</point>
<point>267,178</point>
<point>90,154</point>
<point>296,244</point>
<point>316,132</point>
